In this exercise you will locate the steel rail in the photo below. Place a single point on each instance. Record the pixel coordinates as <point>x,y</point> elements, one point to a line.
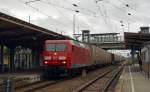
<point>104,89</point>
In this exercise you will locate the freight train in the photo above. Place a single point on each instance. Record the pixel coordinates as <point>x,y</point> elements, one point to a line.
<point>69,57</point>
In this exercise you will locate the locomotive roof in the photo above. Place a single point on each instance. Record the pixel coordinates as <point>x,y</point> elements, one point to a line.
<point>74,42</point>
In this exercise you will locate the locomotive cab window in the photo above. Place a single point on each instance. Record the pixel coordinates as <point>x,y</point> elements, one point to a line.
<point>56,47</point>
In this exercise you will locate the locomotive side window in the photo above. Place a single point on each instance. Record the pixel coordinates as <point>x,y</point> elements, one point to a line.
<point>56,47</point>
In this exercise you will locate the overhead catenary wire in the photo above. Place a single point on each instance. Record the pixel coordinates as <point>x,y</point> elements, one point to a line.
<point>127,5</point>
<point>122,10</point>
<point>81,8</point>
<point>107,19</point>
<point>55,5</point>
<point>99,8</point>
<point>100,11</point>
<point>31,1</point>
<point>119,8</point>
<point>92,14</point>
<point>128,14</point>
<point>65,16</point>
<point>103,13</point>
<point>69,9</point>
<point>52,5</point>
<point>121,2</point>
<point>41,12</point>
<point>61,13</point>
<point>113,5</point>
<point>57,8</point>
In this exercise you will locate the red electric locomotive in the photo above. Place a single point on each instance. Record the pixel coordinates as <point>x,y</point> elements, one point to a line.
<point>65,56</point>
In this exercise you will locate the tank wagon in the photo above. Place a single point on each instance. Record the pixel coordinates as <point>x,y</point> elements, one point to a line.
<point>70,56</point>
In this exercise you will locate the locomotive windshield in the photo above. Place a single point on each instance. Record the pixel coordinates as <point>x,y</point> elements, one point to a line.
<point>56,47</point>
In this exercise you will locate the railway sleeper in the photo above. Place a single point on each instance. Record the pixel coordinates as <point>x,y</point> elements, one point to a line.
<point>101,83</point>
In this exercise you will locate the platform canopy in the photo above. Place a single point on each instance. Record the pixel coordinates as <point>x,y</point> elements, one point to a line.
<point>135,40</point>
<point>18,32</point>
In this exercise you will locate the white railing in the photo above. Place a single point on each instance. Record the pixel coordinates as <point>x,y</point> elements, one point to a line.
<point>118,39</point>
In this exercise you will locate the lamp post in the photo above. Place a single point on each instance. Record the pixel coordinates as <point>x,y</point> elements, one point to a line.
<point>29,18</point>
<point>128,27</point>
<point>129,14</point>
<point>122,25</point>
<point>74,20</point>
<point>74,25</point>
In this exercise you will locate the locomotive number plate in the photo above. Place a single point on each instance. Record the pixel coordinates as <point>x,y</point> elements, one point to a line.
<point>54,58</point>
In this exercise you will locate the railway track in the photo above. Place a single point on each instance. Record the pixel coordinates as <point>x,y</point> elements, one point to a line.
<point>20,85</point>
<point>71,84</point>
<point>100,83</point>
<point>65,86</point>
<point>35,86</point>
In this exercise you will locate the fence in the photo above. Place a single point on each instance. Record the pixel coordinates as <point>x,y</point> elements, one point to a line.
<point>7,85</point>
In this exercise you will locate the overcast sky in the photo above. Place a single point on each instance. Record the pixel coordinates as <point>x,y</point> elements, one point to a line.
<point>101,17</point>
<point>105,16</point>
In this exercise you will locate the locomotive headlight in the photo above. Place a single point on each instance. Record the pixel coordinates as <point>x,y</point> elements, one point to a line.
<point>62,58</point>
<point>64,62</point>
<point>45,62</point>
<point>48,58</point>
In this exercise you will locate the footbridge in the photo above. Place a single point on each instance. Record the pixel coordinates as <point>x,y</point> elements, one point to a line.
<point>108,41</point>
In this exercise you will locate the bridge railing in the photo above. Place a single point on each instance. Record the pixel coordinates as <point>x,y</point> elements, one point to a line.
<point>117,39</point>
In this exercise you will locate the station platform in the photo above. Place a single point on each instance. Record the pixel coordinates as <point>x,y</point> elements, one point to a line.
<point>18,80</point>
<point>24,76</point>
<point>133,80</point>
